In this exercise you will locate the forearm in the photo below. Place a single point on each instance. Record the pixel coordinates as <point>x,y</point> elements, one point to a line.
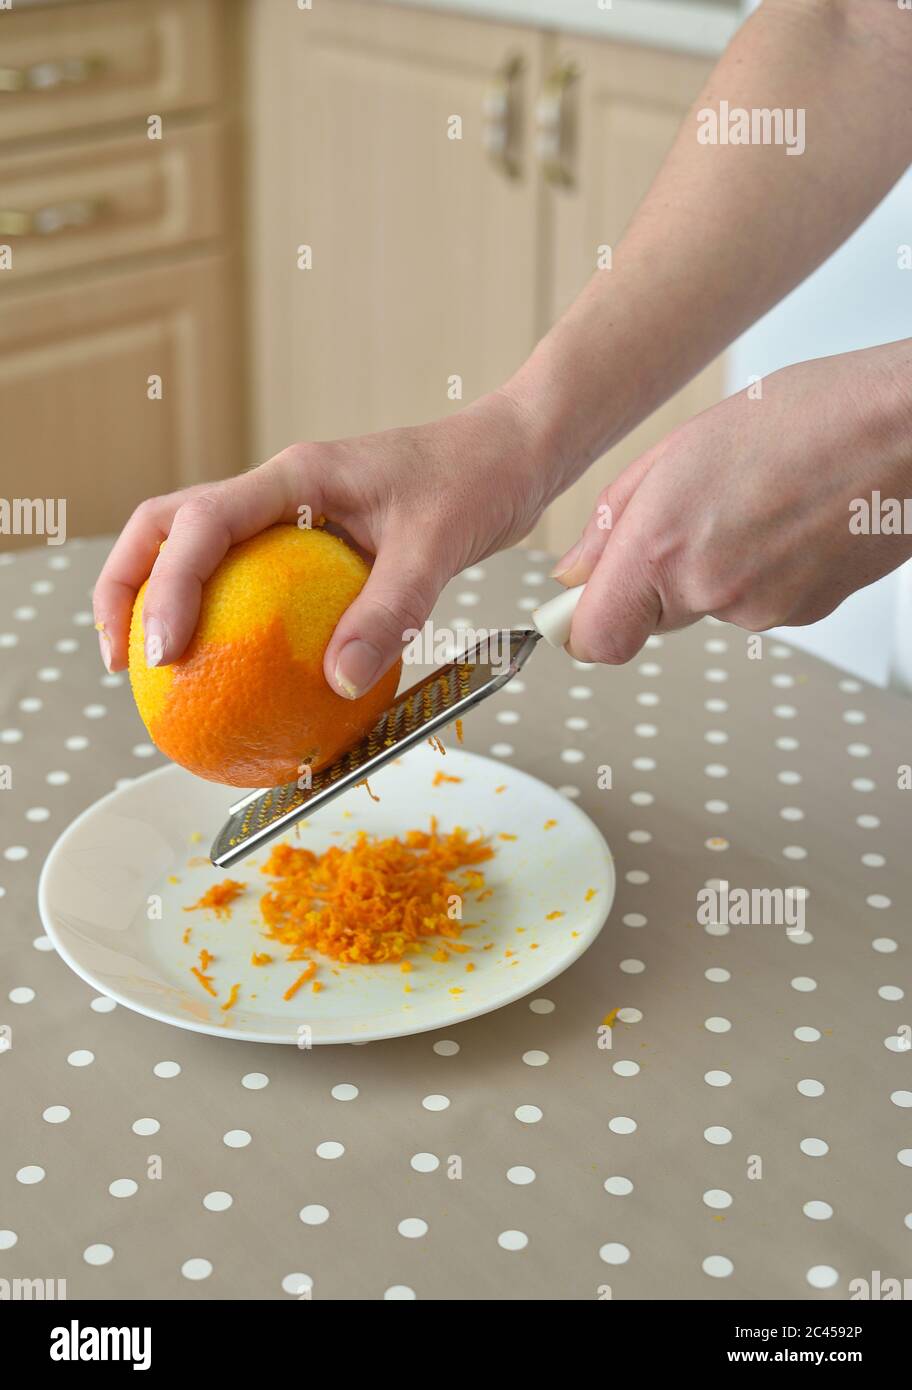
<point>727,230</point>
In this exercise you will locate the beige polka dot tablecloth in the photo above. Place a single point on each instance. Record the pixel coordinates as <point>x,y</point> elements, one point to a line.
<point>747,1133</point>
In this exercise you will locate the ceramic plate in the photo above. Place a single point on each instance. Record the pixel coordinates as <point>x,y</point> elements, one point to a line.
<point>110,903</point>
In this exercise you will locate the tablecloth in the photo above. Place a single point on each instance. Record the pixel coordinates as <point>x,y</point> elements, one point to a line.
<point>740,1127</point>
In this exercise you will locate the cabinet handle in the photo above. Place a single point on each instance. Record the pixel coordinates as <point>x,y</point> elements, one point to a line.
<point>44,76</point>
<point>56,217</point>
<point>500,109</point>
<point>555,125</point>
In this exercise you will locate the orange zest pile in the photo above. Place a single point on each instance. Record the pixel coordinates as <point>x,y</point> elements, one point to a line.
<point>374,902</point>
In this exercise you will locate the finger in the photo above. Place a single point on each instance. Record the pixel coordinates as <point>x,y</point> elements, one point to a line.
<point>620,606</point>
<point>203,530</point>
<point>126,569</point>
<point>576,566</point>
<point>401,591</point>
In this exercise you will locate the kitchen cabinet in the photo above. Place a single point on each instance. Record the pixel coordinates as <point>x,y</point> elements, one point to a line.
<point>368,148</point>
<point>430,265</point>
<point>121,261</point>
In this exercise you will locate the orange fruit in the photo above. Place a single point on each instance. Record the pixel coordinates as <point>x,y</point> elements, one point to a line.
<point>247,703</point>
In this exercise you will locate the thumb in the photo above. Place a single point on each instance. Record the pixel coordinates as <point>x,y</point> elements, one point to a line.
<point>399,594</point>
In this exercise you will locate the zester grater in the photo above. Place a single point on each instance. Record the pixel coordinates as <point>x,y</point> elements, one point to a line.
<point>437,699</point>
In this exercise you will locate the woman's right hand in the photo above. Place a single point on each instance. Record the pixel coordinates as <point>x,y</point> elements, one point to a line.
<point>426,500</point>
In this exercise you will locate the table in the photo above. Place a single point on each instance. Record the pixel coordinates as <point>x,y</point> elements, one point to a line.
<point>746,1135</point>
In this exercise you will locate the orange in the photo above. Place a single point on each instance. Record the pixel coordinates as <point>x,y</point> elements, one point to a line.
<point>247,704</point>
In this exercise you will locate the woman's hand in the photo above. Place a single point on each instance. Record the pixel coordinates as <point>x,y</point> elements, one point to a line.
<point>427,501</point>
<point>745,511</point>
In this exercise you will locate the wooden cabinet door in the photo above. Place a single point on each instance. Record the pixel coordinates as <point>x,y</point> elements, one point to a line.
<point>624,106</point>
<point>76,417</point>
<point>425,251</point>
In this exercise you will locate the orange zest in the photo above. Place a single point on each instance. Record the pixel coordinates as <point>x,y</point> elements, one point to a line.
<point>377,901</point>
<point>441,777</point>
<point>205,981</point>
<point>219,897</point>
<point>232,998</point>
<point>302,979</point>
<point>260,958</point>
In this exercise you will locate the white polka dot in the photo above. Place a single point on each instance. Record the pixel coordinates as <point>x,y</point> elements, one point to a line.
<point>580,692</point>
<point>344,1091</point>
<point>858,750</point>
<point>892,993</point>
<point>884,944</point>
<point>622,1124</point>
<point>446,1047</point>
<point>634,919</point>
<point>717,1134</point>
<point>636,876</point>
<point>822,1276</point>
<point>146,1126</point>
<point>66,646</point>
<point>718,1266</point>
<point>520,1176</point>
<point>628,1015</point>
<point>814,1148</point>
<point>101,1004</point>
<point>503,750</point>
<point>7,1240</point>
<point>715,736</point>
<point>81,1058</point>
<point>49,674</point>
<point>716,808</point>
<point>645,730</point>
<point>21,995</point>
<point>644,764</point>
<point>570,792</point>
<point>15,853</point>
<point>817,1211</point>
<point>873,860</point>
<point>614,1253</point>
<point>512,1240</point>
<point>902,1098</point>
<point>31,704</point>
<point>717,1198</point>
<point>878,900</point>
<point>717,843</point>
<point>905,1157</point>
<point>809,1087</point>
<point>98,1254</point>
<point>716,675</point>
<point>717,1078</point>
<point>784,711</point>
<point>56,1114</point>
<point>528,1114</point>
<point>41,943</point>
<point>399,1293</point>
<point>25,614</point>
<point>436,1102</point>
<point>218,1201</point>
<point>84,619</point>
<point>166,1070</point>
<point>76,744</point>
<point>57,779</point>
<point>851,687</point>
<point>30,1174</point>
<point>507,716</point>
<point>618,1186</point>
<point>330,1148</point>
<point>782,681</point>
<point>715,706</point>
<point>639,837</point>
<point>413,1228</point>
<point>95,711</point>
<point>625,1068</point>
<point>236,1138</point>
<point>144,750</point>
<point>715,770</point>
<point>255,1080</point>
<point>577,724</point>
<point>642,798</point>
<point>542,1006</point>
<point>805,1034</point>
<point>717,1025</point>
<point>11,735</point>
<point>794,852</point>
<point>571,755</point>
<point>791,813</point>
<point>425,1163</point>
<point>632,967</point>
<point>123,1187</point>
<point>717,975</point>
<point>535,1058</point>
<point>715,644</point>
<point>196,1269</point>
<point>804,984</point>
<point>867,822</point>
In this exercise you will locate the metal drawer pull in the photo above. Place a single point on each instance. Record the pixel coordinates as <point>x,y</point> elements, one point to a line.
<point>56,217</point>
<point>43,77</point>
<point>554,125</point>
<point>500,109</point>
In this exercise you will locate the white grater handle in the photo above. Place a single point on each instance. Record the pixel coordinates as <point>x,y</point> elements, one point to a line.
<point>553,619</point>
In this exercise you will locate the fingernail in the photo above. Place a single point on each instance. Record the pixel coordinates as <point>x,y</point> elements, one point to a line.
<point>104,644</point>
<point>156,635</point>
<point>357,665</point>
<point>567,561</point>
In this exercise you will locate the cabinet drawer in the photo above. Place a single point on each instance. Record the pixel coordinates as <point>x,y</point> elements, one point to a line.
<point>79,65</point>
<point>101,199</point>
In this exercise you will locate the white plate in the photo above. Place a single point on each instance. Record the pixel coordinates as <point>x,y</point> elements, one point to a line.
<point>107,878</point>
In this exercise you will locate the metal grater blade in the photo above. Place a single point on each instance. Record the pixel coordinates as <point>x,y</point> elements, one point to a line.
<point>437,699</point>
